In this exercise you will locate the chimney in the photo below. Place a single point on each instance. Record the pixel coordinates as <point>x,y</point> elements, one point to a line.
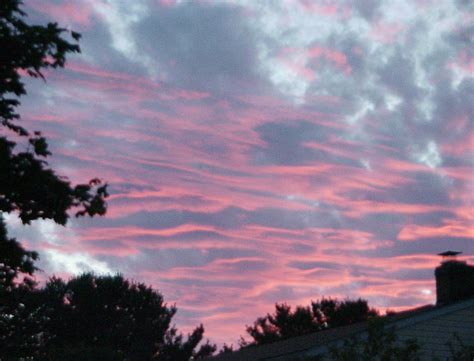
<point>454,279</point>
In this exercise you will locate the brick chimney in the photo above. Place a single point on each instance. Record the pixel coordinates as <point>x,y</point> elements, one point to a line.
<point>454,279</point>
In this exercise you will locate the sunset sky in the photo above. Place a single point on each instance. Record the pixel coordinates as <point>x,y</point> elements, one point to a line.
<point>262,151</point>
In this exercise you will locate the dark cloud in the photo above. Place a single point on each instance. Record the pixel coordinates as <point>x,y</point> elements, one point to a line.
<point>452,103</point>
<point>424,188</point>
<point>228,218</point>
<point>412,274</point>
<point>286,144</point>
<point>201,46</point>
<point>398,74</point>
<point>367,8</point>
<point>463,4</point>
<point>311,265</point>
<point>98,50</point>
<point>423,246</point>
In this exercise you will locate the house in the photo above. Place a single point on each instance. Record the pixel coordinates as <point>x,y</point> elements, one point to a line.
<point>433,326</point>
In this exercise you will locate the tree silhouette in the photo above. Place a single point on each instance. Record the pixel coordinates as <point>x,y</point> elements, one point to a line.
<point>27,185</point>
<point>326,313</point>
<point>14,261</point>
<point>18,324</point>
<point>104,318</point>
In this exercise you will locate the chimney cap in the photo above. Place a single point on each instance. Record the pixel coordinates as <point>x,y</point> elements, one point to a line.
<point>449,253</point>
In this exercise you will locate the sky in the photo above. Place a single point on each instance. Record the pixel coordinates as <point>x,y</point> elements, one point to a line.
<point>262,151</point>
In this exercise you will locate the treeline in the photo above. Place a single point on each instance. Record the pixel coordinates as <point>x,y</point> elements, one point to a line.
<point>87,317</point>
<point>110,318</point>
<point>320,315</point>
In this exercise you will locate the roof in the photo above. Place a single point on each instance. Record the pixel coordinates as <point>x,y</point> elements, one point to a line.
<point>297,345</point>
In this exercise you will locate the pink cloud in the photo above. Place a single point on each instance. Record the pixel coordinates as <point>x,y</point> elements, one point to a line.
<point>413,232</point>
<point>289,56</point>
<point>67,12</point>
<point>338,58</point>
<point>387,32</point>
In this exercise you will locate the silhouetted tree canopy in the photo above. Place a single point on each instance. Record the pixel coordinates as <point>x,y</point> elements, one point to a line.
<point>101,318</point>
<point>14,261</point>
<point>16,281</point>
<point>326,313</point>
<point>28,186</point>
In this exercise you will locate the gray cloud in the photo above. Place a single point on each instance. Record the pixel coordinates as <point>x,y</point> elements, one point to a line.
<point>285,144</point>
<point>228,218</point>
<point>425,188</point>
<point>200,46</point>
<point>398,74</point>
<point>367,8</point>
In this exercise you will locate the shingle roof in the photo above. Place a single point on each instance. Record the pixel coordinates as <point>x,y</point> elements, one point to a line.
<point>291,346</point>
<point>297,345</point>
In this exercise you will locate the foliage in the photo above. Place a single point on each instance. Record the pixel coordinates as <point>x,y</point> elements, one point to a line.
<point>226,348</point>
<point>27,185</point>
<point>16,320</point>
<point>104,318</point>
<point>14,260</point>
<point>326,313</point>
